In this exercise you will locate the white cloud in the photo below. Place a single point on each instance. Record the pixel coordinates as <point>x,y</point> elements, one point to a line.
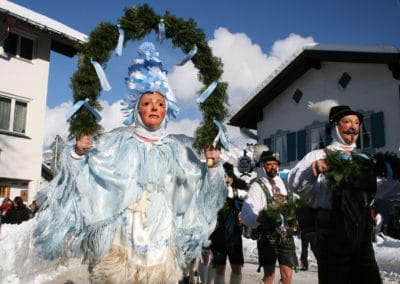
<point>184,126</point>
<point>55,123</point>
<point>185,84</point>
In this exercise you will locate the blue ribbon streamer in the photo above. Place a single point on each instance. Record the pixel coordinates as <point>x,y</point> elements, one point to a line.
<point>189,56</point>
<point>161,30</point>
<point>207,92</point>
<point>77,107</point>
<point>105,85</point>
<point>118,49</point>
<point>220,136</point>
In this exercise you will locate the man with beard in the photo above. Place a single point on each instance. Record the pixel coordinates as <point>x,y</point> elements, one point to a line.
<point>340,183</point>
<point>269,192</point>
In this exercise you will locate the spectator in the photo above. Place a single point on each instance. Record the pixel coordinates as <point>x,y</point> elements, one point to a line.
<point>377,223</point>
<point>17,213</point>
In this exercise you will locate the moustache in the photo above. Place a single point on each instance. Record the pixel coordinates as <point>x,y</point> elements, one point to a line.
<point>351,131</point>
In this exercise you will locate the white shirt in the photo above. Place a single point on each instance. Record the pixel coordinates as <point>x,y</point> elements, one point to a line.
<point>257,201</point>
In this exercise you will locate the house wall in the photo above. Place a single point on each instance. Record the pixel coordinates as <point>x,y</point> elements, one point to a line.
<point>372,88</point>
<point>27,81</point>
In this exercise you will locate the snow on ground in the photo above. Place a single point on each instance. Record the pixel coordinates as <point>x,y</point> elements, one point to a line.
<point>20,265</point>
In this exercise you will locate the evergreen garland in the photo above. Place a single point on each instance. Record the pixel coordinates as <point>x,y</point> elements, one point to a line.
<point>137,22</point>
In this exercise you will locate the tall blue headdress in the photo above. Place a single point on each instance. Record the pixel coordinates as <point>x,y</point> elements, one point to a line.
<point>147,75</point>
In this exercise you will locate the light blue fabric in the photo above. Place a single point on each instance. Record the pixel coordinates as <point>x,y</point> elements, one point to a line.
<point>84,201</point>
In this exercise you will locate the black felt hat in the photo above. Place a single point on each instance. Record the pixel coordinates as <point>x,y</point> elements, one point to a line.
<point>337,112</point>
<point>268,156</point>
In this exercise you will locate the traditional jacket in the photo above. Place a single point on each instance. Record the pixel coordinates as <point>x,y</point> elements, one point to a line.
<point>139,210</point>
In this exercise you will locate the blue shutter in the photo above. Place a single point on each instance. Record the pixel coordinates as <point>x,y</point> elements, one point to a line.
<point>377,130</point>
<point>328,134</point>
<point>291,146</point>
<point>267,142</point>
<point>301,144</point>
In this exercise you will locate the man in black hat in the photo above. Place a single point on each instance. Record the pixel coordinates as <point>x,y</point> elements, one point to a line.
<point>273,243</point>
<point>341,195</point>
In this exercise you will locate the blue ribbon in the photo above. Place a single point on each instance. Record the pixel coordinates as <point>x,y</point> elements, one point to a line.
<point>161,30</point>
<point>207,92</point>
<point>220,136</point>
<point>118,49</point>
<point>105,85</point>
<point>77,107</point>
<point>189,56</point>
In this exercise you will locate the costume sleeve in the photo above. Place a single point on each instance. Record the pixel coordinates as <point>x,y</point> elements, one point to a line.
<point>202,193</point>
<point>59,219</point>
<point>301,178</point>
<point>254,203</point>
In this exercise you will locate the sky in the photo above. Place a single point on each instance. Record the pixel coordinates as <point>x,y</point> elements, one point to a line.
<point>252,38</point>
<point>18,240</point>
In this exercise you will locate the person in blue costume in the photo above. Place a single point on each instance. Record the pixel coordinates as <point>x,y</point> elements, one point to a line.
<point>133,204</point>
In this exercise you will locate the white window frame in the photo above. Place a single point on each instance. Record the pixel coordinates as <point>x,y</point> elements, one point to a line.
<point>12,113</point>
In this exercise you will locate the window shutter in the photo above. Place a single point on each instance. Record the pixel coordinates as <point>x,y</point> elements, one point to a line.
<point>267,142</point>
<point>328,134</point>
<point>291,147</point>
<point>377,130</point>
<point>301,144</point>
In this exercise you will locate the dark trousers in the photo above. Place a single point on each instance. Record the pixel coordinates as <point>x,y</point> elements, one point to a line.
<point>308,239</point>
<point>340,260</point>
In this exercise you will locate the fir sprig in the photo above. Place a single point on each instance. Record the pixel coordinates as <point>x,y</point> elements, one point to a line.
<point>355,172</point>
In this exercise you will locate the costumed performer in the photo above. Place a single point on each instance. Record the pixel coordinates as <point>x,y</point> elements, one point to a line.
<point>340,184</point>
<point>133,204</point>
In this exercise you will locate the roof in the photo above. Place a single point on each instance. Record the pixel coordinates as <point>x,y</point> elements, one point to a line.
<point>250,112</point>
<point>64,39</point>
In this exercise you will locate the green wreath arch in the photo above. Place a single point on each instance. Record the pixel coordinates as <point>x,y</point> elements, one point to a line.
<point>137,22</point>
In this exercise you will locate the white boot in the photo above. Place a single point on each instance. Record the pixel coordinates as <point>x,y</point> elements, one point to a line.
<point>235,278</point>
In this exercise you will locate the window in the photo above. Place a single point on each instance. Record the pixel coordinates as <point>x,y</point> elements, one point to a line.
<point>5,191</point>
<point>279,146</point>
<point>18,45</point>
<point>13,114</point>
<point>317,137</point>
<point>365,140</point>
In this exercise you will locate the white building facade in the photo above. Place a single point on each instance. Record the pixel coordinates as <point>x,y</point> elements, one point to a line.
<point>26,40</point>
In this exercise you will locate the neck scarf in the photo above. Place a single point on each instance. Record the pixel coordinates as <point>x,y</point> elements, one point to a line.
<point>338,142</point>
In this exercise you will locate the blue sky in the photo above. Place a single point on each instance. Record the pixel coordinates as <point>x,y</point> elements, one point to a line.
<point>252,38</point>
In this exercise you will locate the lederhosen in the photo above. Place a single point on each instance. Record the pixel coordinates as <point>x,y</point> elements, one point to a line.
<point>271,247</point>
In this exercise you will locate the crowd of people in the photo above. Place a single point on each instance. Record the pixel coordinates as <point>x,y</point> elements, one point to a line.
<point>15,211</point>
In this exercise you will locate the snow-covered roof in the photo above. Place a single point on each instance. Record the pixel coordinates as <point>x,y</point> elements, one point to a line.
<point>42,22</point>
